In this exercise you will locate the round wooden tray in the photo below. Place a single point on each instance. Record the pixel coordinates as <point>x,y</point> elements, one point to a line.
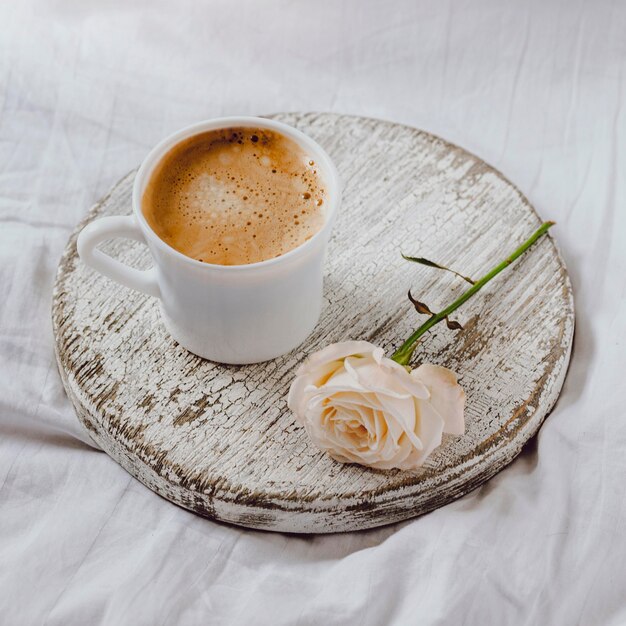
<point>220,441</point>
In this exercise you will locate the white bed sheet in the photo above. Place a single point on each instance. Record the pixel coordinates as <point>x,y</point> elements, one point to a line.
<point>536,88</point>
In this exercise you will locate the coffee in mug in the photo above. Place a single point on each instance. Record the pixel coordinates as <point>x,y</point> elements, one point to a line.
<point>235,196</point>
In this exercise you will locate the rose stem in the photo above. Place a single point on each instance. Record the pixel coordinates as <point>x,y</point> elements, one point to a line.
<point>403,354</point>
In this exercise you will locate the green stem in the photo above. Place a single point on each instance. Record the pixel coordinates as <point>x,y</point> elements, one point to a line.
<point>403,354</point>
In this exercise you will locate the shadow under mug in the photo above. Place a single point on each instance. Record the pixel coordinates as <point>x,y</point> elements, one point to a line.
<point>226,313</point>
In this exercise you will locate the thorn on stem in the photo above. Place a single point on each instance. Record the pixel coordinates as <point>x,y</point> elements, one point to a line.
<point>420,307</point>
<point>453,325</point>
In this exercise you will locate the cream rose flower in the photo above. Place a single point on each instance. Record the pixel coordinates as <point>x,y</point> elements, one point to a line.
<point>362,407</point>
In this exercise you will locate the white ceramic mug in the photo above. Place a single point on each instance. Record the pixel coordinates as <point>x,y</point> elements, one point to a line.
<point>226,313</point>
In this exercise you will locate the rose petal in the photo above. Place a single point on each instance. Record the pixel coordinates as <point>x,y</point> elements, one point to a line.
<point>446,395</point>
<point>412,385</point>
<point>401,412</point>
<point>431,426</point>
<point>335,352</point>
<point>376,379</point>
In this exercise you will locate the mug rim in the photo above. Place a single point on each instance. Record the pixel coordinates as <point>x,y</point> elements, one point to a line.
<point>304,141</point>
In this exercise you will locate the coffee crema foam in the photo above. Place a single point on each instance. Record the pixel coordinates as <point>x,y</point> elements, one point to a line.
<point>235,196</point>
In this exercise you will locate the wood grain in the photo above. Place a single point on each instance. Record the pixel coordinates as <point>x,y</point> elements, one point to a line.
<point>219,440</point>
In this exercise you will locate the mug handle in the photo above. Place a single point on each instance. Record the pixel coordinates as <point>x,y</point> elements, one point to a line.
<point>112,227</point>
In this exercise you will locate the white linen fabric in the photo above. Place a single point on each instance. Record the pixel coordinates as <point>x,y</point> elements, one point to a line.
<point>536,88</point>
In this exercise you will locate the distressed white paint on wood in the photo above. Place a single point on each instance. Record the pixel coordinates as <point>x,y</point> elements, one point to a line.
<point>220,441</point>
